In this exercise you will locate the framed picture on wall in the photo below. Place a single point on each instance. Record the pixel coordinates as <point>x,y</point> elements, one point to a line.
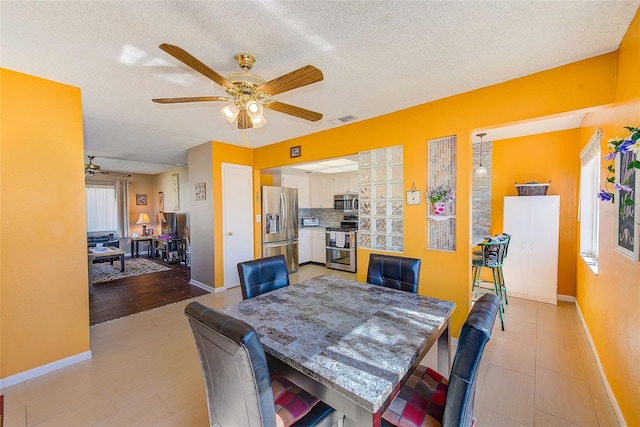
<point>627,206</point>
<point>175,183</point>
<point>295,151</point>
<point>201,191</point>
<point>161,201</point>
<point>141,199</point>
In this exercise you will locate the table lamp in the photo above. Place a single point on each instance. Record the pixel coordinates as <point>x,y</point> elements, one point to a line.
<point>144,220</point>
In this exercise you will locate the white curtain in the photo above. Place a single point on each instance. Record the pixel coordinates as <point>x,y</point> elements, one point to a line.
<point>122,200</point>
<point>101,208</point>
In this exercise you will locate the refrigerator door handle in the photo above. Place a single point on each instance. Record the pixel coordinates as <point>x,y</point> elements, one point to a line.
<point>283,209</point>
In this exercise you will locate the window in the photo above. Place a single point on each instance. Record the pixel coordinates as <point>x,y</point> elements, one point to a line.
<point>101,208</point>
<point>588,214</point>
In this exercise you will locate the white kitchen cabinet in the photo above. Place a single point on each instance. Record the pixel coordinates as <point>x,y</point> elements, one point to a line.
<point>531,266</point>
<point>318,245</point>
<point>304,245</point>
<point>299,182</point>
<point>321,192</point>
<point>347,183</point>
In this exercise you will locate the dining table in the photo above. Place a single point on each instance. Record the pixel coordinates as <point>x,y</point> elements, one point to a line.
<point>351,344</point>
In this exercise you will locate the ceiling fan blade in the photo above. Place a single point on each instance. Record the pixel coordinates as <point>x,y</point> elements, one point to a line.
<point>185,57</point>
<point>295,79</point>
<point>189,99</point>
<point>244,122</point>
<point>293,110</point>
<point>114,173</point>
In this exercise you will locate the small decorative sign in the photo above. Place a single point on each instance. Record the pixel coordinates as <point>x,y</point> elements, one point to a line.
<point>294,151</point>
<point>413,196</point>
<point>201,191</point>
<point>141,199</point>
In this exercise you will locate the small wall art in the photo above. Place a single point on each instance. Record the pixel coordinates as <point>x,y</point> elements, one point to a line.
<point>626,201</point>
<point>175,183</point>
<point>201,191</point>
<point>141,199</point>
<point>161,201</point>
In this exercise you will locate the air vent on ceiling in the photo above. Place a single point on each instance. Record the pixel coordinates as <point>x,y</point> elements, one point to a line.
<point>343,120</point>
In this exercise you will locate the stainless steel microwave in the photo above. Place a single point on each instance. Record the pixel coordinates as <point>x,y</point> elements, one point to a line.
<point>346,202</point>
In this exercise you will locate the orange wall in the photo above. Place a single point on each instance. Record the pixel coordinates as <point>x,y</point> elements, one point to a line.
<point>541,158</point>
<point>226,153</point>
<point>575,86</point>
<point>610,301</point>
<point>44,313</point>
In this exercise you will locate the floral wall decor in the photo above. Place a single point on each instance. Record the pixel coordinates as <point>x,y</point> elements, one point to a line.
<point>624,176</point>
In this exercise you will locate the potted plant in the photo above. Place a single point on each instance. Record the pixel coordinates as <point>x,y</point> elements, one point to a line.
<point>439,196</point>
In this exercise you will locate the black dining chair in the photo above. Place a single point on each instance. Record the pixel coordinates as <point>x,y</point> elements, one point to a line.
<point>241,391</point>
<point>394,272</point>
<point>262,275</point>
<point>429,399</point>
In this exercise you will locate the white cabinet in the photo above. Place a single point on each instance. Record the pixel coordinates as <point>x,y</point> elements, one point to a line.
<point>299,182</point>
<point>304,245</point>
<point>321,192</point>
<point>318,245</point>
<point>347,183</point>
<point>531,266</point>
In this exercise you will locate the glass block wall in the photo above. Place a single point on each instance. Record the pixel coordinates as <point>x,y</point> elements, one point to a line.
<point>381,213</point>
<point>441,166</point>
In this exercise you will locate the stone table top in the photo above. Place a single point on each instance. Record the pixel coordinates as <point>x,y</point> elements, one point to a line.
<point>355,338</point>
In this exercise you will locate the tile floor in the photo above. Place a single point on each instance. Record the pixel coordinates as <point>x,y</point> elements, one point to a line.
<point>145,372</point>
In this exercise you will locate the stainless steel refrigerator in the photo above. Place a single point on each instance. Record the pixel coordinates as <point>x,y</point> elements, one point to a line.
<point>280,224</point>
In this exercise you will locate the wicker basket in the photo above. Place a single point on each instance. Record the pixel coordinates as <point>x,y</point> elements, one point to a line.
<point>533,189</point>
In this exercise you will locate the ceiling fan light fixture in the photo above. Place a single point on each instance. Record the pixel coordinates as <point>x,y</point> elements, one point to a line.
<point>230,112</point>
<point>258,121</point>
<point>254,109</point>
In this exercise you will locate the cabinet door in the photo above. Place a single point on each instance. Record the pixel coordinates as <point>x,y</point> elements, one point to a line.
<point>543,262</point>
<point>315,191</point>
<point>304,245</point>
<point>341,184</point>
<point>516,265</point>
<point>354,182</point>
<point>303,192</point>
<point>327,193</point>
<point>319,250</point>
<point>290,181</point>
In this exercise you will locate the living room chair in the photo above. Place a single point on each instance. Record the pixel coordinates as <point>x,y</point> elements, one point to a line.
<point>262,275</point>
<point>240,389</point>
<point>429,399</point>
<point>394,272</point>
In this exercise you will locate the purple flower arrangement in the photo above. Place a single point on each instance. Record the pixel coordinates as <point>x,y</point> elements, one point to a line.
<point>629,144</point>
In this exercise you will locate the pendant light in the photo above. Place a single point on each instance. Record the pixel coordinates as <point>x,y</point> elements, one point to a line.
<point>481,170</point>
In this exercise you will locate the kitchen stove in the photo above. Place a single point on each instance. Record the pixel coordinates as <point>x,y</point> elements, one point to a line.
<point>342,244</point>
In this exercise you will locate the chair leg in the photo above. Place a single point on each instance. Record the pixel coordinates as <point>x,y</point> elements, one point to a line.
<point>503,286</point>
<point>498,288</point>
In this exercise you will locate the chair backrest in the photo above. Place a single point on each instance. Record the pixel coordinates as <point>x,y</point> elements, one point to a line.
<point>394,272</point>
<point>262,275</point>
<point>507,238</point>
<point>235,369</point>
<point>476,331</point>
<point>493,251</point>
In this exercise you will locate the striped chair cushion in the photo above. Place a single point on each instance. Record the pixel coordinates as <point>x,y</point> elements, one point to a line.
<point>420,402</point>
<point>292,403</point>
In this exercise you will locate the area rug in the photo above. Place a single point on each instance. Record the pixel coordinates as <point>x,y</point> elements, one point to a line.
<point>105,272</point>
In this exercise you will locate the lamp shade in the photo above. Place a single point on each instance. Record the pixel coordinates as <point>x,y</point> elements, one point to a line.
<point>143,219</point>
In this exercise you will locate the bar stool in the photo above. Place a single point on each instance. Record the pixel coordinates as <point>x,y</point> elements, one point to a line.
<point>478,253</point>
<point>492,257</point>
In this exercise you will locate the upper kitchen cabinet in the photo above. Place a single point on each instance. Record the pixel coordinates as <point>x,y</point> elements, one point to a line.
<point>347,183</point>
<point>296,181</point>
<point>321,191</point>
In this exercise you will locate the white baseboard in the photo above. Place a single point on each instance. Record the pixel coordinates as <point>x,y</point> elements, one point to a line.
<point>203,286</point>
<point>605,381</point>
<point>567,298</point>
<point>44,369</point>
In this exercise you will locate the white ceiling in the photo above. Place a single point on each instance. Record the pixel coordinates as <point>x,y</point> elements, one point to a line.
<point>376,56</point>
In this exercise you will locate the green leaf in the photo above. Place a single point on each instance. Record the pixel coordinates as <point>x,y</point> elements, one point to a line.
<point>610,168</point>
<point>628,202</point>
<point>611,179</point>
<point>634,164</point>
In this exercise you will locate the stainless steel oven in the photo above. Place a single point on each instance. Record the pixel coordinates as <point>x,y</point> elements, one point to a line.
<point>341,245</point>
<point>346,202</point>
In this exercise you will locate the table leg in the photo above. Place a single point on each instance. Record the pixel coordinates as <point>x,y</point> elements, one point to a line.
<point>122,263</point>
<point>444,350</point>
<point>133,242</point>
<point>90,271</point>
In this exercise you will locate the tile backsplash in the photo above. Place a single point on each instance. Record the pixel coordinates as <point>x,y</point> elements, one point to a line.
<point>327,216</point>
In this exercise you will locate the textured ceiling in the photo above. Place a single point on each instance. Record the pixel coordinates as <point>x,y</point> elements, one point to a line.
<point>376,56</point>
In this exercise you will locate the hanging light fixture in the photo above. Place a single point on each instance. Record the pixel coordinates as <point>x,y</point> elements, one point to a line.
<point>481,170</point>
<point>230,112</point>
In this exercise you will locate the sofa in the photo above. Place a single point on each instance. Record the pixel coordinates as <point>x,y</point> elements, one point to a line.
<point>105,239</point>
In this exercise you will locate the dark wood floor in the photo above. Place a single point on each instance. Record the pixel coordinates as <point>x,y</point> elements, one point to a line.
<point>119,298</point>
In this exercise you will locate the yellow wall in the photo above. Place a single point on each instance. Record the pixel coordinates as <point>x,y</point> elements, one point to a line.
<point>575,86</point>
<point>44,316</point>
<point>225,153</point>
<point>541,158</point>
<point>610,301</point>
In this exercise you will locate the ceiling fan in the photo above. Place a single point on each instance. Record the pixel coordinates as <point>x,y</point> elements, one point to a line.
<point>248,92</point>
<point>90,169</point>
